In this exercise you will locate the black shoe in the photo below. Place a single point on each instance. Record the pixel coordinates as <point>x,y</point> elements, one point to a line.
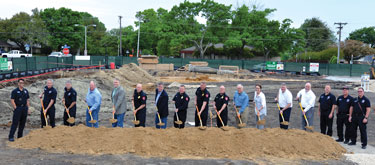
<point>11,139</point>
<point>363,147</point>
<point>351,144</point>
<point>346,141</point>
<point>339,140</point>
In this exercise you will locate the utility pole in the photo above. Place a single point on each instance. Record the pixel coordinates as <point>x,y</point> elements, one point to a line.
<point>120,54</point>
<point>340,26</point>
<point>139,32</point>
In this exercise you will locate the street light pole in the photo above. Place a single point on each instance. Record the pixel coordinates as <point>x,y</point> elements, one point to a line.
<point>85,51</point>
<point>139,31</point>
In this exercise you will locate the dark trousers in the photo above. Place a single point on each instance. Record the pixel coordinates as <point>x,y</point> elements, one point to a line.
<point>326,122</point>
<point>72,113</point>
<point>141,116</point>
<point>224,117</point>
<point>357,121</point>
<point>204,116</point>
<point>51,115</point>
<point>19,120</point>
<point>182,116</point>
<point>342,119</point>
<point>286,115</point>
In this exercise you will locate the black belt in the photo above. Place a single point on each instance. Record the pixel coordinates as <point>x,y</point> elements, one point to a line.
<point>21,105</point>
<point>357,114</point>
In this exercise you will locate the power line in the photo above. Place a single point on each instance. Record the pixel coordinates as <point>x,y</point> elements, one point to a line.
<point>340,26</point>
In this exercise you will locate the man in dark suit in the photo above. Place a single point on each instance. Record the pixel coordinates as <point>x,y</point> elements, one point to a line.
<point>161,102</point>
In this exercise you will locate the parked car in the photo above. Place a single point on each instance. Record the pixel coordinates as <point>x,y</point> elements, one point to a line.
<point>15,54</point>
<point>59,54</point>
<point>261,66</point>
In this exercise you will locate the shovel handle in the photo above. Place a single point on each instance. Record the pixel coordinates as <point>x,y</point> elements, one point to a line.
<point>199,116</point>
<point>237,115</point>
<point>222,123</point>
<point>281,113</point>
<point>307,122</point>
<point>44,114</point>
<point>88,108</point>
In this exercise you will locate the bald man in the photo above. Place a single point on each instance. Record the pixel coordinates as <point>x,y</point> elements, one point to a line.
<point>221,106</point>
<point>326,109</point>
<point>49,101</point>
<point>93,100</point>
<point>307,97</point>
<point>139,102</point>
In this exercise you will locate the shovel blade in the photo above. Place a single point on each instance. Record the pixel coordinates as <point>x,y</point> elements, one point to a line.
<point>136,122</point>
<point>310,128</point>
<point>112,120</point>
<point>242,125</point>
<point>47,127</point>
<point>261,122</point>
<point>284,123</point>
<point>92,121</point>
<point>70,120</point>
<point>202,128</point>
<point>160,124</point>
<point>225,128</point>
<point>178,122</point>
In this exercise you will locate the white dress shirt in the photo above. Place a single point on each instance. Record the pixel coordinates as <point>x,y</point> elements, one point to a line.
<point>307,99</point>
<point>285,98</point>
<point>260,100</point>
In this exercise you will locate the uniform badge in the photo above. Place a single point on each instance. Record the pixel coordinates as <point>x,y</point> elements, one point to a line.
<point>25,91</point>
<point>139,97</point>
<point>18,92</point>
<point>182,97</point>
<point>222,97</point>
<point>202,94</point>
<point>328,97</point>
<point>69,94</point>
<point>347,100</point>
<point>50,92</point>
<point>144,98</point>
<point>363,101</point>
<point>340,99</point>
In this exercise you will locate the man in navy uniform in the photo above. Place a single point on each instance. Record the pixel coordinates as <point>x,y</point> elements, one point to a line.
<point>181,100</point>
<point>70,98</point>
<point>20,102</point>
<point>221,106</point>
<point>326,109</point>
<point>358,116</point>
<point>202,97</point>
<point>343,106</point>
<point>139,102</point>
<point>49,100</point>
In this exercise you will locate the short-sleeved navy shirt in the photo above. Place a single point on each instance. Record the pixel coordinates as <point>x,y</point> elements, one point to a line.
<point>139,99</point>
<point>360,105</point>
<point>181,101</point>
<point>70,96</point>
<point>49,94</point>
<point>344,104</point>
<point>220,100</point>
<point>326,102</point>
<point>20,97</point>
<point>202,96</point>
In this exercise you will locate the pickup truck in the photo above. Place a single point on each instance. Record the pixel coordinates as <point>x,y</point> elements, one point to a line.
<point>15,54</point>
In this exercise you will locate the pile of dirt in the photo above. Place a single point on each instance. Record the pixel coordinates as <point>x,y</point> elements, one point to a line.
<point>191,143</point>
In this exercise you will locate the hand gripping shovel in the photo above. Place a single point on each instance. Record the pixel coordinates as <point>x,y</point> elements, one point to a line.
<point>160,123</point>
<point>70,120</point>
<point>45,117</point>
<point>308,127</point>
<point>282,116</point>
<point>201,127</point>
<point>135,121</point>
<point>92,121</point>
<point>241,125</point>
<point>113,120</point>
<point>260,122</point>
<point>223,127</point>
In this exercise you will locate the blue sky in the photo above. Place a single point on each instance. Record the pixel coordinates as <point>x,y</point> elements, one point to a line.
<point>357,14</point>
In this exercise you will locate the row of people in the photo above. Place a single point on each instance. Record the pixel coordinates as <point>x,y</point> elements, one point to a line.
<point>352,112</point>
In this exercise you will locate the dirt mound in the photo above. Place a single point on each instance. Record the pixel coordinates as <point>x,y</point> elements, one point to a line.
<point>244,144</point>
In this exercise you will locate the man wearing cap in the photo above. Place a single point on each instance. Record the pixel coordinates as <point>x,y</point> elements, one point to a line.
<point>326,109</point>
<point>20,102</point>
<point>343,106</point>
<point>358,116</point>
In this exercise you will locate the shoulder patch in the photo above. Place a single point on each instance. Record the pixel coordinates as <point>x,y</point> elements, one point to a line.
<point>206,95</point>
<point>226,98</point>
<point>187,99</point>
<point>144,97</point>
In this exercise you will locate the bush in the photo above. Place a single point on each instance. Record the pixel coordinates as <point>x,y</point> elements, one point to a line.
<point>322,56</point>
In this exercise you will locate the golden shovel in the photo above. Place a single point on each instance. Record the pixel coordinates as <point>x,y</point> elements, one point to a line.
<point>70,120</point>
<point>45,117</point>
<point>241,125</point>
<point>92,121</point>
<point>160,123</point>
<point>308,127</point>
<point>135,121</point>
<point>113,120</point>
<point>201,127</point>
<point>282,116</point>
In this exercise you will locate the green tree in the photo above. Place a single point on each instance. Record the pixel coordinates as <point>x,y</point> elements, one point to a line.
<point>356,48</point>
<point>366,35</point>
<point>318,35</point>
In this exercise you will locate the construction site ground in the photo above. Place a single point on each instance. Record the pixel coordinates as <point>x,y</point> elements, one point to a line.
<point>129,75</point>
